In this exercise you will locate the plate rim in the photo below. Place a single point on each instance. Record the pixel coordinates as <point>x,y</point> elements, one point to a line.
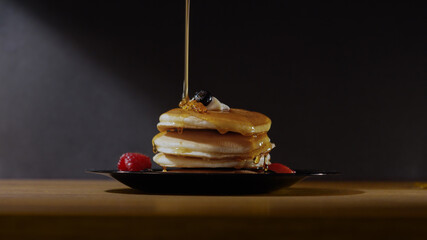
<point>298,172</point>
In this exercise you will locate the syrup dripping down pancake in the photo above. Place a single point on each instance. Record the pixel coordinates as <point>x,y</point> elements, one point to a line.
<point>211,144</point>
<point>240,121</point>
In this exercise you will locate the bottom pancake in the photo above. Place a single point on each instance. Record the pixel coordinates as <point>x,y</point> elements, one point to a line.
<point>174,161</point>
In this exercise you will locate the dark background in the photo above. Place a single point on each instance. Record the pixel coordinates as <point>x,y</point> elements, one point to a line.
<point>344,83</point>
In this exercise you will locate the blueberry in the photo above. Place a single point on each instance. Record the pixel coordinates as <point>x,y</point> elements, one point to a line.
<point>203,96</point>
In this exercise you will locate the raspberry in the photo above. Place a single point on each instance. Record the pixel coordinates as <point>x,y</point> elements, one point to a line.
<point>279,168</point>
<point>121,165</point>
<point>133,162</point>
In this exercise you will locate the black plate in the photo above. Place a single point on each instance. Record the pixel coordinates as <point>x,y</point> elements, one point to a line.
<point>158,182</point>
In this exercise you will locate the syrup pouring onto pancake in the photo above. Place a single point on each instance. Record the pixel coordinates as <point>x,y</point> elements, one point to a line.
<point>204,133</point>
<point>206,130</point>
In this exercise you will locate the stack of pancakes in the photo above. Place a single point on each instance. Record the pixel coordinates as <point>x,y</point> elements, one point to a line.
<point>233,139</point>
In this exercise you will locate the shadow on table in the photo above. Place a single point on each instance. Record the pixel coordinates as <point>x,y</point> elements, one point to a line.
<point>287,192</point>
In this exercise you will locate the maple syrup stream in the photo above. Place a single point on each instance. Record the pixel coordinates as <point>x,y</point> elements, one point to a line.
<point>187,46</point>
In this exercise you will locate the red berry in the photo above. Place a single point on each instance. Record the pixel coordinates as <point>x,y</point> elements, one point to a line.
<point>133,162</point>
<point>121,165</point>
<point>279,168</point>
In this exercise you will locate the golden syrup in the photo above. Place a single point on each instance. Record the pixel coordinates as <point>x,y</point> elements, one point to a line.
<point>241,121</point>
<point>187,49</point>
<point>222,131</point>
<point>183,102</point>
<point>154,146</point>
<point>192,105</point>
<point>235,145</point>
<point>257,159</point>
<point>265,166</point>
<point>180,130</point>
<point>264,149</point>
<point>181,150</point>
<point>154,139</point>
<point>249,125</point>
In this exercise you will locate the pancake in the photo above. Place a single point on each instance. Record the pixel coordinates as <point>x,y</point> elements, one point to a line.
<point>240,121</point>
<point>211,144</point>
<point>172,161</point>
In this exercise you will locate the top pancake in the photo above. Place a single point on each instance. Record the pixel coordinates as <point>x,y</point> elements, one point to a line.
<point>240,121</point>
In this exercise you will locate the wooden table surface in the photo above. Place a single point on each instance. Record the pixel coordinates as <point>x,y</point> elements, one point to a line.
<point>73,209</point>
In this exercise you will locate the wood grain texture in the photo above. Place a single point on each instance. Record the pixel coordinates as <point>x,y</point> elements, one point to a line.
<point>68,209</point>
